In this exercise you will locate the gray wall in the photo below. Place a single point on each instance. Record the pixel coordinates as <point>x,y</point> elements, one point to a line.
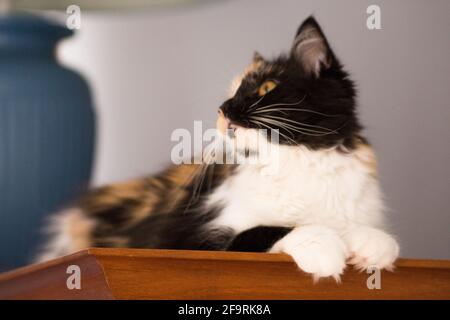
<point>153,72</point>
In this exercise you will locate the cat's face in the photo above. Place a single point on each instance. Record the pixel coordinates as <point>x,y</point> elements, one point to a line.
<point>305,95</point>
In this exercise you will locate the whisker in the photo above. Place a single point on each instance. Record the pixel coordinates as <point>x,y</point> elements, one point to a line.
<point>305,131</point>
<point>200,177</point>
<point>287,129</point>
<point>280,133</point>
<point>296,109</point>
<point>274,122</point>
<point>298,129</point>
<point>255,104</point>
<point>301,123</point>
<point>283,104</point>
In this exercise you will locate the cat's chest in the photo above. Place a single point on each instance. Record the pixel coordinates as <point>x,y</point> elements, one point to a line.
<point>305,188</point>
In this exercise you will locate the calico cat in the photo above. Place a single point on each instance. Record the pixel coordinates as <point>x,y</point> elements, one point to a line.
<point>323,205</point>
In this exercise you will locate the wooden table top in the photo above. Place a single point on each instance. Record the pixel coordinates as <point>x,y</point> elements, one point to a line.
<point>178,274</point>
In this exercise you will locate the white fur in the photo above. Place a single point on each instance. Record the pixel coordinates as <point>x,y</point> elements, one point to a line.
<point>316,249</point>
<point>69,231</point>
<point>371,247</point>
<point>324,187</point>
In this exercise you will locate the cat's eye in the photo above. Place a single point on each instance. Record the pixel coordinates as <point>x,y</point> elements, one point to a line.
<point>266,87</point>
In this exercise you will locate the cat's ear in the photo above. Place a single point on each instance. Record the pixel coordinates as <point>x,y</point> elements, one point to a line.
<point>257,58</point>
<point>311,49</point>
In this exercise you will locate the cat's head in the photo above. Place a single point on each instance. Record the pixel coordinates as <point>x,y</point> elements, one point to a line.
<point>306,95</point>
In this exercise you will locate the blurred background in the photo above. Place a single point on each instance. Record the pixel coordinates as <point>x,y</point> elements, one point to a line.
<point>153,66</point>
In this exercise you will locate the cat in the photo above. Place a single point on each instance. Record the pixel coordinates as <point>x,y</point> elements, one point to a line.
<point>323,206</point>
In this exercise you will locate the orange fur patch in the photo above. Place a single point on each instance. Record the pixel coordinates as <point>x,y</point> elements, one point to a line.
<point>366,155</point>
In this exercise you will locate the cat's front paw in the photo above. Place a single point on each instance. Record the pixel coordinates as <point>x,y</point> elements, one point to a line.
<point>316,249</point>
<point>371,247</point>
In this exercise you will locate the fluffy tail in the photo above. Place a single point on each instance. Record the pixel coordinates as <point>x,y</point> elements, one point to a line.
<point>68,231</point>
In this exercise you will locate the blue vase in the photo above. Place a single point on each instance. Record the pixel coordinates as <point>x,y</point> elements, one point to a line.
<point>47,128</point>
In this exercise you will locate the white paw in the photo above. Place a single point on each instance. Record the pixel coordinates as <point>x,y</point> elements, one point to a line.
<point>316,249</point>
<point>371,247</point>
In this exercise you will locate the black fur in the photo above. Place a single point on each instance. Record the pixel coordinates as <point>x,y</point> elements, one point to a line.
<point>328,99</point>
<point>259,239</point>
